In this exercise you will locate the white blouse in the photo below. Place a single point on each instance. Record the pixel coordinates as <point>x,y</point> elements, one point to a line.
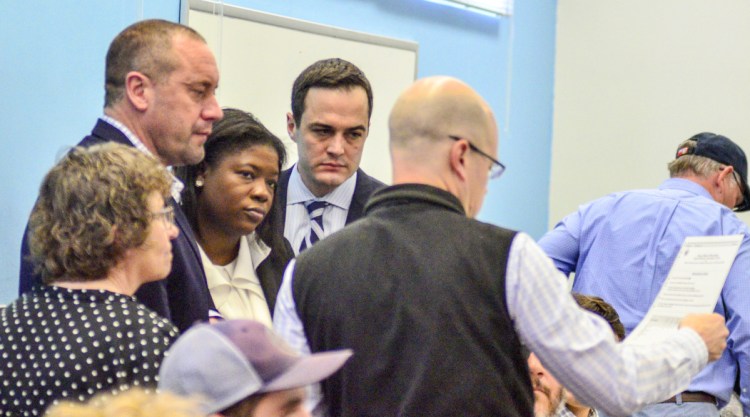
<point>235,288</point>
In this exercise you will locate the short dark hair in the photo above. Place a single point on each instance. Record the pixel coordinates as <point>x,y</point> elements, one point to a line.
<point>600,307</point>
<point>144,46</point>
<point>237,131</point>
<point>333,73</point>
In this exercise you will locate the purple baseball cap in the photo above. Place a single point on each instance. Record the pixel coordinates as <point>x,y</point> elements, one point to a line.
<point>225,363</point>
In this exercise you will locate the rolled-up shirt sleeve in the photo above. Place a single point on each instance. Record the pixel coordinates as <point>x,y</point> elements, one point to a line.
<point>579,347</point>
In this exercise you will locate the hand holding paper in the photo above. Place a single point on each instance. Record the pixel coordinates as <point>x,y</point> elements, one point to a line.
<point>712,329</point>
<point>691,288</point>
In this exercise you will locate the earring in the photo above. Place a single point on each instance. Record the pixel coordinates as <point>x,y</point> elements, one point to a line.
<point>199,182</point>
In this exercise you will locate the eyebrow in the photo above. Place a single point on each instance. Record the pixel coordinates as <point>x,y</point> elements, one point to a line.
<point>318,124</point>
<point>275,171</point>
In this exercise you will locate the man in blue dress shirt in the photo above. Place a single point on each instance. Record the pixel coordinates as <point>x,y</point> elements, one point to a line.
<point>622,246</point>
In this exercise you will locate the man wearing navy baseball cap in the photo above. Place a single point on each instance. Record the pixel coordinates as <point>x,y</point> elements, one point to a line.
<point>240,368</point>
<point>622,246</point>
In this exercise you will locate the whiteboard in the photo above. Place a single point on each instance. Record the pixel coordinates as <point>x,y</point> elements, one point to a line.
<point>259,56</point>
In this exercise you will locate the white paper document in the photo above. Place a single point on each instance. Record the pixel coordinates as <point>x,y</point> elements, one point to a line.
<point>692,286</point>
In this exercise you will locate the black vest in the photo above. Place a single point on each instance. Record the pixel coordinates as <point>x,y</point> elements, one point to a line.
<point>417,290</point>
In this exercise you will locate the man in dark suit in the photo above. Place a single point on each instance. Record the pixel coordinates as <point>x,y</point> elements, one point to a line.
<point>330,120</point>
<point>160,81</point>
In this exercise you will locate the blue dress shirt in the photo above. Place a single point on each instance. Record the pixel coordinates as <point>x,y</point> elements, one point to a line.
<point>622,246</point>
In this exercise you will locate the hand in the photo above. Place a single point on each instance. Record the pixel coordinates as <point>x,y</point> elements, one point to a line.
<point>711,328</point>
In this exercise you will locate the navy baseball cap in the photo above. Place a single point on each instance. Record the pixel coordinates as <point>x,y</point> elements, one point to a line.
<point>722,150</point>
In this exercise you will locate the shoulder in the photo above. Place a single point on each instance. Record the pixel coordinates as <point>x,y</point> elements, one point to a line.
<point>367,184</point>
<point>284,177</point>
<point>149,323</point>
<point>104,132</point>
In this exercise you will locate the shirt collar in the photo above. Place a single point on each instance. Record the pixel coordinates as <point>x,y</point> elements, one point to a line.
<point>177,185</point>
<point>341,196</point>
<point>683,184</point>
<point>128,134</point>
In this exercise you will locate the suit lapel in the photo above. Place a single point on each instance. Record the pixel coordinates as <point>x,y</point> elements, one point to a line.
<point>359,198</point>
<point>185,230</point>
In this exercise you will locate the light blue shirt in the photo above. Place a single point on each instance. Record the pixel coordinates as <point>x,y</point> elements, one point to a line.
<point>297,222</point>
<point>622,246</point>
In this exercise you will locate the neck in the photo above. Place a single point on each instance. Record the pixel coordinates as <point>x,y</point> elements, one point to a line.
<point>707,183</point>
<point>221,248</point>
<point>117,281</point>
<point>406,175</point>
<point>130,121</point>
<point>317,189</point>
<point>579,411</point>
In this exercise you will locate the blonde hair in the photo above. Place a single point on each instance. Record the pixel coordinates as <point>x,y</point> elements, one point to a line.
<point>692,164</point>
<point>132,403</point>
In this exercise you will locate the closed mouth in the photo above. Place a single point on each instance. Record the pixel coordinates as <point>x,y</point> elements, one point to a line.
<point>255,211</point>
<point>332,165</point>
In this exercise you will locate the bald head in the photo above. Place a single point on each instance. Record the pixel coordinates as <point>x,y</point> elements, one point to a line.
<point>433,127</point>
<point>434,108</point>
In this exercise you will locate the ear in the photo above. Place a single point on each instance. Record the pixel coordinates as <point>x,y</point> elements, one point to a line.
<point>291,127</point>
<point>723,173</point>
<point>137,90</point>
<point>200,173</point>
<point>457,156</point>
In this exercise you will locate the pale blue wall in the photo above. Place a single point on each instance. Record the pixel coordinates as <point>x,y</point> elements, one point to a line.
<point>52,65</point>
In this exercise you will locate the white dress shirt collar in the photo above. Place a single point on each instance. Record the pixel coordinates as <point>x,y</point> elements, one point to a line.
<point>341,196</point>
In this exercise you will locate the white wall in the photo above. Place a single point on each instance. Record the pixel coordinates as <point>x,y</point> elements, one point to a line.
<point>632,80</point>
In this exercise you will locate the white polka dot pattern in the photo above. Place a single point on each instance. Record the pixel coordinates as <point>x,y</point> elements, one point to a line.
<point>58,343</point>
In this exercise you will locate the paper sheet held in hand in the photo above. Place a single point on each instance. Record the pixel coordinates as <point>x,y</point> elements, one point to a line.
<point>692,286</point>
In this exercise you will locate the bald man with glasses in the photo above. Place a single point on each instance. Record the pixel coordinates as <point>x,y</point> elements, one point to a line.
<point>437,305</point>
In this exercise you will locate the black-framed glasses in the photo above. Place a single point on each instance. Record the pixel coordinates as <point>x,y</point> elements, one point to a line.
<point>166,215</point>
<point>741,187</point>
<point>496,169</point>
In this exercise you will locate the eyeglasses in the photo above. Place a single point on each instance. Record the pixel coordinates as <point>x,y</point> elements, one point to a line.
<point>496,169</point>
<point>740,186</point>
<point>166,215</point>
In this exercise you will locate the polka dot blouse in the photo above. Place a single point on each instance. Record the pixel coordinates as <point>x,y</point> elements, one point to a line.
<point>58,343</point>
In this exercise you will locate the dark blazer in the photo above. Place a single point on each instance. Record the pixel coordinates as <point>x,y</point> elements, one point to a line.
<point>182,297</point>
<point>364,187</point>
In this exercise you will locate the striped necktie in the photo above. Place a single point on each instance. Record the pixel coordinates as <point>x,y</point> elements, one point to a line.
<point>315,210</point>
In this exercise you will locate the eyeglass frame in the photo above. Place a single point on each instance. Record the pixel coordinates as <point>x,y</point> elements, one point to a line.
<point>496,169</point>
<point>166,215</point>
<point>738,180</point>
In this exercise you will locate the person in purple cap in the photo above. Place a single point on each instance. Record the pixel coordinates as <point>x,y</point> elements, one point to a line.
<point>240,368</point>
<point>622,246</point>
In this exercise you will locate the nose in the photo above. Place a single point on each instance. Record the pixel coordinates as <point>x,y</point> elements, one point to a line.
<point>336,145</point>
<point>173,231</point>
<point>212,111</point>
<point>535,366</point>
<point>261,191</point>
